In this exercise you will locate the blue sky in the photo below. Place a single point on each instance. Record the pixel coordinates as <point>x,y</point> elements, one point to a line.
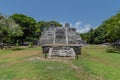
<point>82,14</point>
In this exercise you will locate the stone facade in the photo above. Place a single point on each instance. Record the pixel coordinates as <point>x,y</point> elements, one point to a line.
<point>61,41</point>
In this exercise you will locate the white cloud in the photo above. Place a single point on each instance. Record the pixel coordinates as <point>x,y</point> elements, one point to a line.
<point>80,27</point>
<point>63,23</point>
<point>78,24</point>
<point>85,28</point>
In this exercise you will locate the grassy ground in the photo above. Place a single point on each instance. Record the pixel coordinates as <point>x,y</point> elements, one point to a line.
<point>100,64</point>
<point>29,64</point>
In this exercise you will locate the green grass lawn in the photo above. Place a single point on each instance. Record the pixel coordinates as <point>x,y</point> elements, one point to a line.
<point>97,62</point>
<point>29,64</point>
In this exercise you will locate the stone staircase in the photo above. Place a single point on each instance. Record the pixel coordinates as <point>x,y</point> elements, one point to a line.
<point>61,52</point>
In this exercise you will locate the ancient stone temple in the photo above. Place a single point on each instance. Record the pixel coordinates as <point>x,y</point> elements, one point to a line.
<point>61,41</point>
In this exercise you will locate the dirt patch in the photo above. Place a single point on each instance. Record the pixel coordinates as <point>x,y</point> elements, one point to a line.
<point>18,54</point>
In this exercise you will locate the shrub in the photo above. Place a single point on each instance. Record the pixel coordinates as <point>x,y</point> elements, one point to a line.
<point>30,45</point>
<point>17,43</point>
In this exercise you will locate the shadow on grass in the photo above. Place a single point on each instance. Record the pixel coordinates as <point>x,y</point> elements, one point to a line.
<point>17,49</point>
<point>112,50</point>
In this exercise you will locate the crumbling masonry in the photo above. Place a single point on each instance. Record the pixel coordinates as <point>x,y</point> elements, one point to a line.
<point>61,41</point>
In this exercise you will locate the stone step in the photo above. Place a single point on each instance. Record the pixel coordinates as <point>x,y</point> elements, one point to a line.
<point>62,52</point>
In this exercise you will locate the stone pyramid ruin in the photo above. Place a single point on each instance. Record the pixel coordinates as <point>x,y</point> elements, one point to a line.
<point>61,41</point>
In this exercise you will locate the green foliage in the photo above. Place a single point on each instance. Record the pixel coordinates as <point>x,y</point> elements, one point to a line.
<point>108,31</point>
<point>17,43</point>
<point>41,25</point>
<point>3,32</point>
<point>9,30</point>
<point>22,27</point>
<point>30,45</point>
<point>31,29</point>
<point>84,36</point>
<point>1,17</point>
<point>55,23</point>
<point>91,36</point>
<point>27,24</point>
<point>111,28</point>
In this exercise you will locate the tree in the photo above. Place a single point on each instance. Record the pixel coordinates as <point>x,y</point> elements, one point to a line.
<point>43,24</point>
<point>15,31</point>
<point>108,31</point>
<point>112,26</point>
<point>55,23</point>
<point>28,25</point>
<point>91,36</point>
<point>1,16</point>
<point>84,36</point>
<point>3,33</point>
<point>9,30</point>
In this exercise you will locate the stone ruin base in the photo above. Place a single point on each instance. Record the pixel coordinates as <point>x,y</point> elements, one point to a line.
<point>61,52</point>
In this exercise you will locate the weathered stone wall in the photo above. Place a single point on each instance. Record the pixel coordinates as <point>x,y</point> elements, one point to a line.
<point>61,35</point>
